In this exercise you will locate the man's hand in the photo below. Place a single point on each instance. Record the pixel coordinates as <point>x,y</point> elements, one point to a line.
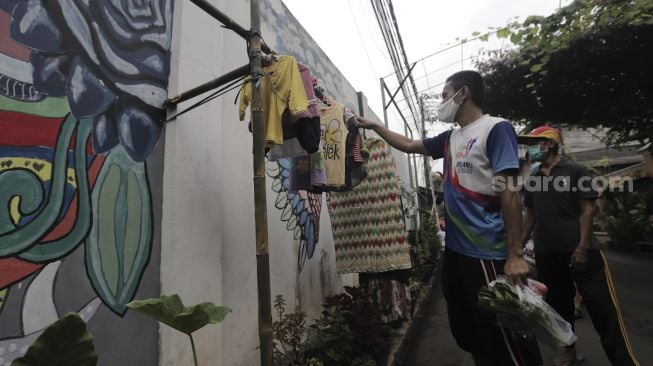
<point>366,123</point>
<point>578,258</point>
<point>516,270</point>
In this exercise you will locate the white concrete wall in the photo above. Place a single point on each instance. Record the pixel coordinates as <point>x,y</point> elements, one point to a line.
<point>208,251</point>
<point>193,199</point>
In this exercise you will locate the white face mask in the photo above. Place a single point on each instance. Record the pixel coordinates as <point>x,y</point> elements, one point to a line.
<point>447,110</point>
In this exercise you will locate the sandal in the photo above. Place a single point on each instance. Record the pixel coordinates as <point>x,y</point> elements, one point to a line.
<point>569,361</point>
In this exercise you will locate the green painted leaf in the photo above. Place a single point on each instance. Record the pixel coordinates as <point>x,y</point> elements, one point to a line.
<point>171,311</point>
<point>65,342</point>
<point>61,247</point>
<point>119,245</point>
<point>18,240</point>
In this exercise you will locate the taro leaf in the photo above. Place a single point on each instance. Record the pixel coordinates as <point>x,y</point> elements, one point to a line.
<point>65,342</point>
<point>171,311</point>
<point>118,247</point>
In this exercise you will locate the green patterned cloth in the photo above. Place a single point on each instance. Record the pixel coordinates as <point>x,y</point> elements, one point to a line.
<point>367,222</point>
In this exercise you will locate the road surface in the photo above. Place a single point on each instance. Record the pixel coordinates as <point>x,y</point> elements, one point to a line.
<point>633,277</point>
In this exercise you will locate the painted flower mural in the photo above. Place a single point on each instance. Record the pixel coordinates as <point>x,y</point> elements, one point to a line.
<point>82,90</point>
<point>109,58</point>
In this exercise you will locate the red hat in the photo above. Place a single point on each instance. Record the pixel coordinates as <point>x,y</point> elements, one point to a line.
<point>539,134</point>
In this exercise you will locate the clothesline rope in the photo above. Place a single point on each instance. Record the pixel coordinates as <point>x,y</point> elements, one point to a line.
<point>225,89</point>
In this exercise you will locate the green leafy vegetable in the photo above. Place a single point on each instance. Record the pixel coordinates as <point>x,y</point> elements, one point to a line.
<point>521,309</point>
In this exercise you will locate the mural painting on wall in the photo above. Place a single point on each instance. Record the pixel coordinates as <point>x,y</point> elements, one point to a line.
<point>82,89</point>
<point>300,210</point>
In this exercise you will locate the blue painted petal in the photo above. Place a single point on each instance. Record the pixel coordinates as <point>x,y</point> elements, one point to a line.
<point>87,95</point>
<point>138,131</point>
<point>50,74</point>
<point>105,133</point>
<point>32,26</point>
<point>8,5</point>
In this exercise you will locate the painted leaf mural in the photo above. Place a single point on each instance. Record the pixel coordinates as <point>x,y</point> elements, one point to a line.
<point>118,248</point>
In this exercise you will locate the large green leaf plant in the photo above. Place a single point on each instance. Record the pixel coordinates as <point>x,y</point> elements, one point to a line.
<point>171,311</point>
<point>65,342</point>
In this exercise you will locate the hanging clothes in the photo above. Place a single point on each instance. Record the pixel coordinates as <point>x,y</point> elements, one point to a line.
<point>357,156</point>
<point>281,88</point>
<point>301,132</point>
<point>334,139</point>
<point>292,146</point>
<point>308,173</point>
<point>367,223</point>
<point>391,291</point>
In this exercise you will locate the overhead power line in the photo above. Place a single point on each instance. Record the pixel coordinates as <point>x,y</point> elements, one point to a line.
<point>387,21</point>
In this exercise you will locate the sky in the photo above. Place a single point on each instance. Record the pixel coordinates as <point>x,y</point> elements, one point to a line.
<point>348,32</point>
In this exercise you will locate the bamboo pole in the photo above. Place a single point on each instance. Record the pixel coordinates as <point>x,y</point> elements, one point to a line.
<point>260,206</point>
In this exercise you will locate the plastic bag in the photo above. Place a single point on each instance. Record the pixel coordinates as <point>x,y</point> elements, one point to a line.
<point>521,308</point>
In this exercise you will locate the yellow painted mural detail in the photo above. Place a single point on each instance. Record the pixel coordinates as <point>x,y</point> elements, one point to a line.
<point>13,209</point>
<point>41,168</point>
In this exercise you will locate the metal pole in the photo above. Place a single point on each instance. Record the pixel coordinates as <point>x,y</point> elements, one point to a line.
<point>385,109</point>
<point>427,180</point>
<point>410,168</point>
<point>401,84</point>
<point>224,19</point>
<point>260,205</point>
<point>213,84</point>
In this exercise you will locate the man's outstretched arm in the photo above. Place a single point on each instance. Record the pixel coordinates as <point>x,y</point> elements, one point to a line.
<point>398,141</point>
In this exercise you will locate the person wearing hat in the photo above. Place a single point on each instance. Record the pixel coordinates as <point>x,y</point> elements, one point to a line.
<point>483,225</point>
<point>559,198</point>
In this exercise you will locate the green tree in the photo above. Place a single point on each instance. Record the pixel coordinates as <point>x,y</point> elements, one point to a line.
<point>585,65</point>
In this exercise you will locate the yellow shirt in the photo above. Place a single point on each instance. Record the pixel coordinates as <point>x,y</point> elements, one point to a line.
<point>334,140</point>
<point>281,88</point>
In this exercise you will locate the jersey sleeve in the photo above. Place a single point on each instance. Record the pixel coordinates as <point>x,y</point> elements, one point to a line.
<point>502,148</point>
<point>435,145</point>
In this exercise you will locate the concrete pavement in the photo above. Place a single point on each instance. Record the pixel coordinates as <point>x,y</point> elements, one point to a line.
<point>633,277</point>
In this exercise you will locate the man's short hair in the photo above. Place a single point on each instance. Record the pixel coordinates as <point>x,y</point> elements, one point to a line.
<point>471,79</point>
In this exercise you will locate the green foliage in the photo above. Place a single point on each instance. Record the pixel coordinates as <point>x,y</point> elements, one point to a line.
<point>351,331</point>
<point>65,342</point>
<point>289,333</point>
<point>427,252</point>
<point>624,218</point>
<point>171,311</point>
<point>585,65</point>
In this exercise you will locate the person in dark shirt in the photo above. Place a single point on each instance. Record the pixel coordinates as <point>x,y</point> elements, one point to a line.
<point>559,196</point>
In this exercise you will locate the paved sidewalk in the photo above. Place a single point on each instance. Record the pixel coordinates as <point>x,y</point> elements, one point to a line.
<point>633,276</point>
